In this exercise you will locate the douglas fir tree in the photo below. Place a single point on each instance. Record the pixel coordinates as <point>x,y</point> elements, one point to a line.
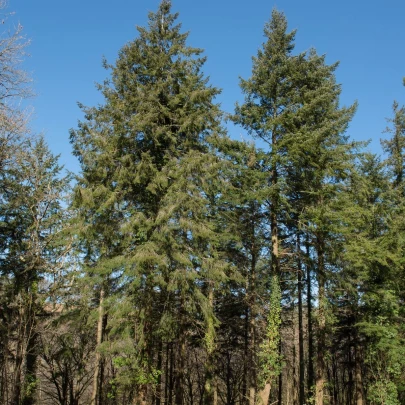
<point>149,177</point>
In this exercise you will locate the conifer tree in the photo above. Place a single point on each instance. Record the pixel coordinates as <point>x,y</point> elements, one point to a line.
<point>268,92</point>
<point>267,101</point>
<point>381,270</point>
<point>148,171</point>
<point>291,103</point>
<point>33,221</point>
<point>324,162</point>
<point>367,303</point>
<point>246,219</point>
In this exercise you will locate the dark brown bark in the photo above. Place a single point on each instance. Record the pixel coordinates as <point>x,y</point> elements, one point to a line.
<point>358,376</point>
<point>31,366</point>
<point>311,375</point>
<point>17,378</point>
<point>171,376</point>
<point>167,374</point>
<point>321,346</point>
<point>180,358</point>
<point>99,340</point>
<point>252,329</point>
<point>4,382</point>
<point>180,363</point>
<point>301,377</point>
<point>102,365</point>
<point>350,386</point>
<point>246,362</point>
<point>158,394</point>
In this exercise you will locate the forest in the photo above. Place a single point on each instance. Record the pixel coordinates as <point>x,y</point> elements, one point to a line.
<point>183,267</point>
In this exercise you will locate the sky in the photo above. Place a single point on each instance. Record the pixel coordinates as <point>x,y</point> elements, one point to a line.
<point>70,38</point>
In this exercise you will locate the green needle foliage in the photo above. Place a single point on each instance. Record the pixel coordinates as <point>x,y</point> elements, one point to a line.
<point>33,249</point>
<point>396,145</point>
<point>292,104</point>
<point>149,181</point>
<point>193,268</point>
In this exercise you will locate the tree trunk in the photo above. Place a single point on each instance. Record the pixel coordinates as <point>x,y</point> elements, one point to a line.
<point>264,394</point>
<point>252,330</point>
<point>31,366</point>
<point>140,397</point>
<point>102,364</point>
<point>158,394</point>
<point>4,390</point>
<point>167,374</point>
<point>280,379</point>
<point>101,380</point>
<point>17,378</point>
<point>321,349</point>
<point>171,378</point>
<point>209,366</point>
<point>301,377</point>
<point>275,257</point>
<point>351,363</point>
<point>97,362</point>
<point>179,382</point>
<point>311,378</point>
<point>180,359</point>
<point>229,394</point>
<point>252,395</point>
<point>215,399</point>
<point>358,376</point>
<point>246,362</point>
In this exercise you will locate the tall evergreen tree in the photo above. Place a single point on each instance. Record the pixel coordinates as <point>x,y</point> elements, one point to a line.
<point>292,103</point>
<point>267,103</point>
<point>33,221</point>
<point>148,171</point>
<point>31,218</point>
<point>364,250</point>
<point>382,281</point>
<point>246,219</point>
<point>324,162</point>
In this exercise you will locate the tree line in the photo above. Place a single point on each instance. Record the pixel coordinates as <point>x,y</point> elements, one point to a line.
<point>183,267</point>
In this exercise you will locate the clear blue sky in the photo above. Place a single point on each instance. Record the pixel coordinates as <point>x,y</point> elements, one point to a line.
<point>69,39</point>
